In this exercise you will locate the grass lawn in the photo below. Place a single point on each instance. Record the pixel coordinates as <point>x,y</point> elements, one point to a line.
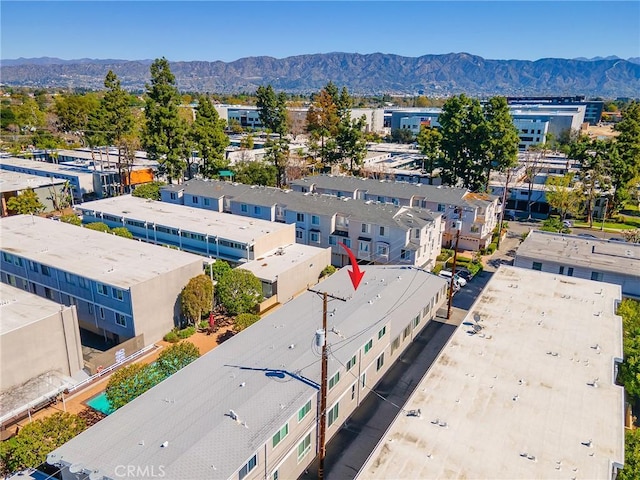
<point>608,225</point>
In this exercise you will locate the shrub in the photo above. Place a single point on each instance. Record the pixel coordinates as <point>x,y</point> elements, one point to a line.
<point>186,332</point>
<point>203,324</point>
<point>245,320</point>
<point>130,382</point>
<point>328,270</point>
<point>171,337</point>
<point>98,226</point>
<point>72,219</point>
<point>445,253</point>
<point>176,357</point>
<point>491,248</point>
<point>122,232</point>
<point>436,270</point>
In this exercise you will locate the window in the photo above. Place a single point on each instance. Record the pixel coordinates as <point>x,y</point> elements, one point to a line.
<point>195,200</point>
<point>597,276</point>
<point>380,362</point>
<point>102,289</point>
<point>121,320</point>
<point>33,266</point>
<point>332,240</point>
<point>441,207</point>
<point>333,381</point>
<point>537,266</point>
<point>244,208</point>
<point>101,313</point>
<point>275,475</point>
<point>299,217</point>
<point>46,270</point>
<point>365,228</point>
<point>475,228</point>
<point>7,257</point>
<point>315,220</point>
<point>561,270</point>
<point>382,232</point>
<point>405,255</point>
<point>351,363</point>
<point>299,234</point>
<point>48,293</point>
<point>304,410</point>
<point>257,210</point>
<point>250,465</point>
<point>82,282</point>
<point>90,308</point>
<point>172,196</point>
<point>417,233</point>
<point>382,250</point>
<point>363,246</point>
<point>17,261</point>
<point>570,271</point>
<point>315,237</point>
<point>304,446</point>
<point>116,293</point>
<point>12,280</point>
<point>363,380</point>
<point>416,321</point>
<point>368,346</point>
<point>395,344</point>
<point>406,332</point>
<point>280,434</point>
<point>69,278</point>
<point>382,332</point>
<point>206,202</point>
<point>347,242</point>
<point>333,414</point>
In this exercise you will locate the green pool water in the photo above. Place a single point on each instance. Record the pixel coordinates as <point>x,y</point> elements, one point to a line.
<point>100,403</point>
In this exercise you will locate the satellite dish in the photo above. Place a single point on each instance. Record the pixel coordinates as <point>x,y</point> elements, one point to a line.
<point>96,475</point>
<point>76,467</point>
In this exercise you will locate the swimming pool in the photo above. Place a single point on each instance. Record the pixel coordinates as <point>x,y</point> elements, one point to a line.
<point>100,403</point>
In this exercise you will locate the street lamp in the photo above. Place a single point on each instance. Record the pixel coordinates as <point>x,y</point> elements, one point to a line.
<point>453,267</point>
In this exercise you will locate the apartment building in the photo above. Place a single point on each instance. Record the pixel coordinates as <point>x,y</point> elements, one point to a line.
<point>121,288</point>
<point>249,408</point>
<point>267,249</point>
<point>525,388</point>
<point>377,233</point>
<point>580,257</point>
<point>48,190</point>
<point>478,212</point>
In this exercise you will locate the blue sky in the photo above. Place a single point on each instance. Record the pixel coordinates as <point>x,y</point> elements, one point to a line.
<point>216,30</point>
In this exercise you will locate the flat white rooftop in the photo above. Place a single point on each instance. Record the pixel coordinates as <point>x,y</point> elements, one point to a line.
<point>52,168</point>
<point>16,181</point>
<point>280,260</point>
<point>19,308</point>
<point>95,255</point>
<point>196,220</point>
<point>515,400</point>
<point>617,257</point>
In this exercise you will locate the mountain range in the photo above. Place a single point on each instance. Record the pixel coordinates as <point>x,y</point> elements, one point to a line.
<point>371,74</point>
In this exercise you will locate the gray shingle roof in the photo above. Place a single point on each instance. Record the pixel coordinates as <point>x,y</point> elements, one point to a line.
<point>190,409</point>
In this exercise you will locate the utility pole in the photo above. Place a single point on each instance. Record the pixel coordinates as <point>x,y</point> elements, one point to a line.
<point>453,269</point>
<point>322,428</point>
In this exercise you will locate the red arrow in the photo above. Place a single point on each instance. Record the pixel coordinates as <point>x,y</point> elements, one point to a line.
<point>355,274</point>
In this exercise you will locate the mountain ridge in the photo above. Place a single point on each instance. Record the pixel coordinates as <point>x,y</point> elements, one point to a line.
<point>374,73</point>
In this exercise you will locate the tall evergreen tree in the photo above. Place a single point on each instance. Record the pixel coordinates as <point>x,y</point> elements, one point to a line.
<point>502,138</point>
<point>272,110</point>
<point>207,133</point>
<point>463,129</point>
<point>350,141</point>
<point>322,122</point>
<point>625,159</point>
<point>429,139</point>
<point>164,133</point>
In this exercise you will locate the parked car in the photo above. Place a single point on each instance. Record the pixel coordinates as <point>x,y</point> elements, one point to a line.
<point>586,235</point>
<point>458,280</point>
<point>617,239</point>
<point>464,273</point>
<point>567,223</point>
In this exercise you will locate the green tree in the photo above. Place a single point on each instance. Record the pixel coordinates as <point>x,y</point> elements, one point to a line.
<point>625,161</point>
<point>25,203</point>
<point>207,133</point>
<point>122,232</point>
<point>553,224</point>
<point>73,111</point>
<point>72,219</point>
<point>350,142</point>
<point>631,470</point>
<point>593,156</point>
<point>130,382</point>
<point>464,138</point>
<point>239,291</point>
<point>272,110</point>
<point>37,439</point>
<point>164,135</point>
<point>220,267</point>
<point>277,153</point>
<point>256,173</point>
<point>562,196</point>
<point>323,119</point>
<point>196,298</point>
<point>501,145</point>
<point>28,115</point>
<point>245,320</point>
<point>98,227</point>
<point>402,135</point>
<point>429,139</point>
<point>175,357</point>
<point>149,190</point>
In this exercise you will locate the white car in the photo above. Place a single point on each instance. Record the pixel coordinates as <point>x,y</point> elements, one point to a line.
<point>458,279</point>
